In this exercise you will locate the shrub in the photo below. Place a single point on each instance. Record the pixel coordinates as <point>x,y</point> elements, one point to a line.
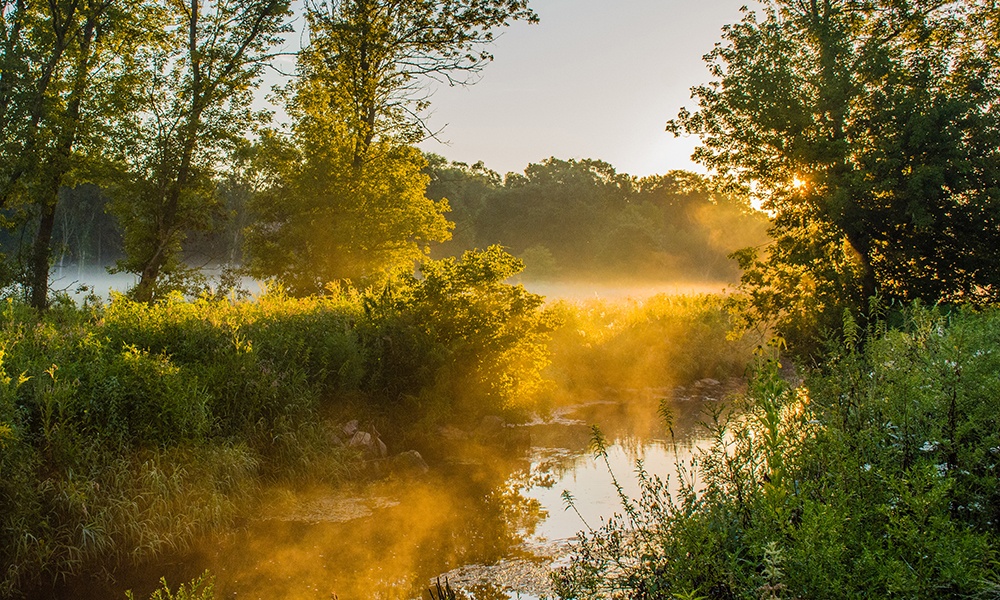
<point>876,478</point>
<point>459,339</point>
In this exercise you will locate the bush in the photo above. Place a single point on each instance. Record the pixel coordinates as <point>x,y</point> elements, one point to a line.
<point>459,340</point>
<point>877,478</point>
<point>125,431</point>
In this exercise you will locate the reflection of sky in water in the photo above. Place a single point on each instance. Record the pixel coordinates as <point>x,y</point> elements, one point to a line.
<point>587,479</point>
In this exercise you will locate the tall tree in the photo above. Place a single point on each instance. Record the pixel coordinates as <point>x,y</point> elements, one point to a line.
<point>352,205</point>
<point>200,88</point>
<point>65,67</point>
<point>870,130</point>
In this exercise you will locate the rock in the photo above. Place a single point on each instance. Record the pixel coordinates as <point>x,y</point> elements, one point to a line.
<point>451,433</point>
<point>707,382</point>
<point>409,462</point>
<point>370,444</point>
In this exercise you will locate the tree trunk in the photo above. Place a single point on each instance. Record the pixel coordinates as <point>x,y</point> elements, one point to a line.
<point>59,165</point>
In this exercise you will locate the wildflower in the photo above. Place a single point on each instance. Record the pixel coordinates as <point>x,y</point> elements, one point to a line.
<point>929,447</point>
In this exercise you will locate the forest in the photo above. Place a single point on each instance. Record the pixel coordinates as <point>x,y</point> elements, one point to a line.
<point>851,201</point>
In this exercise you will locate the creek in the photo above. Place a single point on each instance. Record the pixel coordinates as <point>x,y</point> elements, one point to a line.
<point>489,517</point>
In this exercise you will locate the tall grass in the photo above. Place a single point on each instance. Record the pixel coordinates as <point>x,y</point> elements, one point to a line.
<point>876,478</point>
<point>661,341</point>
<point>127,430</point>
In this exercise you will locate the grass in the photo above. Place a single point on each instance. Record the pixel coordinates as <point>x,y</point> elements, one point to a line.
<point>127,430</point>
<point>877,477</point>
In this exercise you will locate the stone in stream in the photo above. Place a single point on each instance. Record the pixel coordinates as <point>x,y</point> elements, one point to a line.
<point>409,462</point>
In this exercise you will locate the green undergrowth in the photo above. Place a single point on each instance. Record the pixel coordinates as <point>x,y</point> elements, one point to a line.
<point>875,478</point>
<point>127,430</point>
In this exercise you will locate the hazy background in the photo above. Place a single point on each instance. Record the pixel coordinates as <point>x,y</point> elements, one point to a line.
<point>594,79</point>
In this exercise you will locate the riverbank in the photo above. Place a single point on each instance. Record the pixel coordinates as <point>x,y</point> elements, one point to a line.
<point>874,477</point>
<point>128,430</point>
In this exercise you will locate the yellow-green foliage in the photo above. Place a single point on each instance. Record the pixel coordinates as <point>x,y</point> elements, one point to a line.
<point>201,588</point>
<point>660,341</point>
<point>128,429</point>
<point>460,338</point>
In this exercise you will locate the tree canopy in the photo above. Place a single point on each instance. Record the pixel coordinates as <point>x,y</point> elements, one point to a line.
<point>350,203</point>
<point>583,219</point>
<point>870,131</point>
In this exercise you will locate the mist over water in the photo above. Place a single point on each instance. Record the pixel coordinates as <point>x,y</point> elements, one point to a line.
<point>78,282</point>
<point>488,518</point>
<point>614,291</point>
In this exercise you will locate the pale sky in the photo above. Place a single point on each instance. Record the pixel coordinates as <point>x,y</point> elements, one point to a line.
<point>595,79</point>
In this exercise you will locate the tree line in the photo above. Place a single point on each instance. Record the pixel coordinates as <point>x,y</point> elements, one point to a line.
<point>580,219</point>
<point>565,219</point>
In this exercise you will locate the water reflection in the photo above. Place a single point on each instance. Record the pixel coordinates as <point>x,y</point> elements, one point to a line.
<point>491,521</point>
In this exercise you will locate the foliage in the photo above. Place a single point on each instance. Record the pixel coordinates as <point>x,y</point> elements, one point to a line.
<point>467,188</point>
<point>876,478</point>
<point>329,222</point>
<point>127,430</point>
<point>65,71</point>
<point>373,59</point>
<point>661,341</point>
<point>201,588</point>
<point>869,132</point>
<point>583,219</point>
<point>460,335</point>
<point>201,78</point>
<point>350,205</point>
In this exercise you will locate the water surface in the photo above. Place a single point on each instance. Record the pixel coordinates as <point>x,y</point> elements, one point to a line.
<point>489,517</point>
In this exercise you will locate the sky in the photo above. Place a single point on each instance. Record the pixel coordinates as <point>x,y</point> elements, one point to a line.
<point>594,79</point>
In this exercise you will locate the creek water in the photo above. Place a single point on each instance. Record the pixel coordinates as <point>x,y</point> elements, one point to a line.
<point>489,517</point>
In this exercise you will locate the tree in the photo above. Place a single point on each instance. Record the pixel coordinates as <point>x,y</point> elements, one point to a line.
<point>558,204</point>
<point>467,189</point>
<point>326,221</point>
<point>66,64</point>
<point>352,204</point>
<point>200,84</point>
<point>869,130</point>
